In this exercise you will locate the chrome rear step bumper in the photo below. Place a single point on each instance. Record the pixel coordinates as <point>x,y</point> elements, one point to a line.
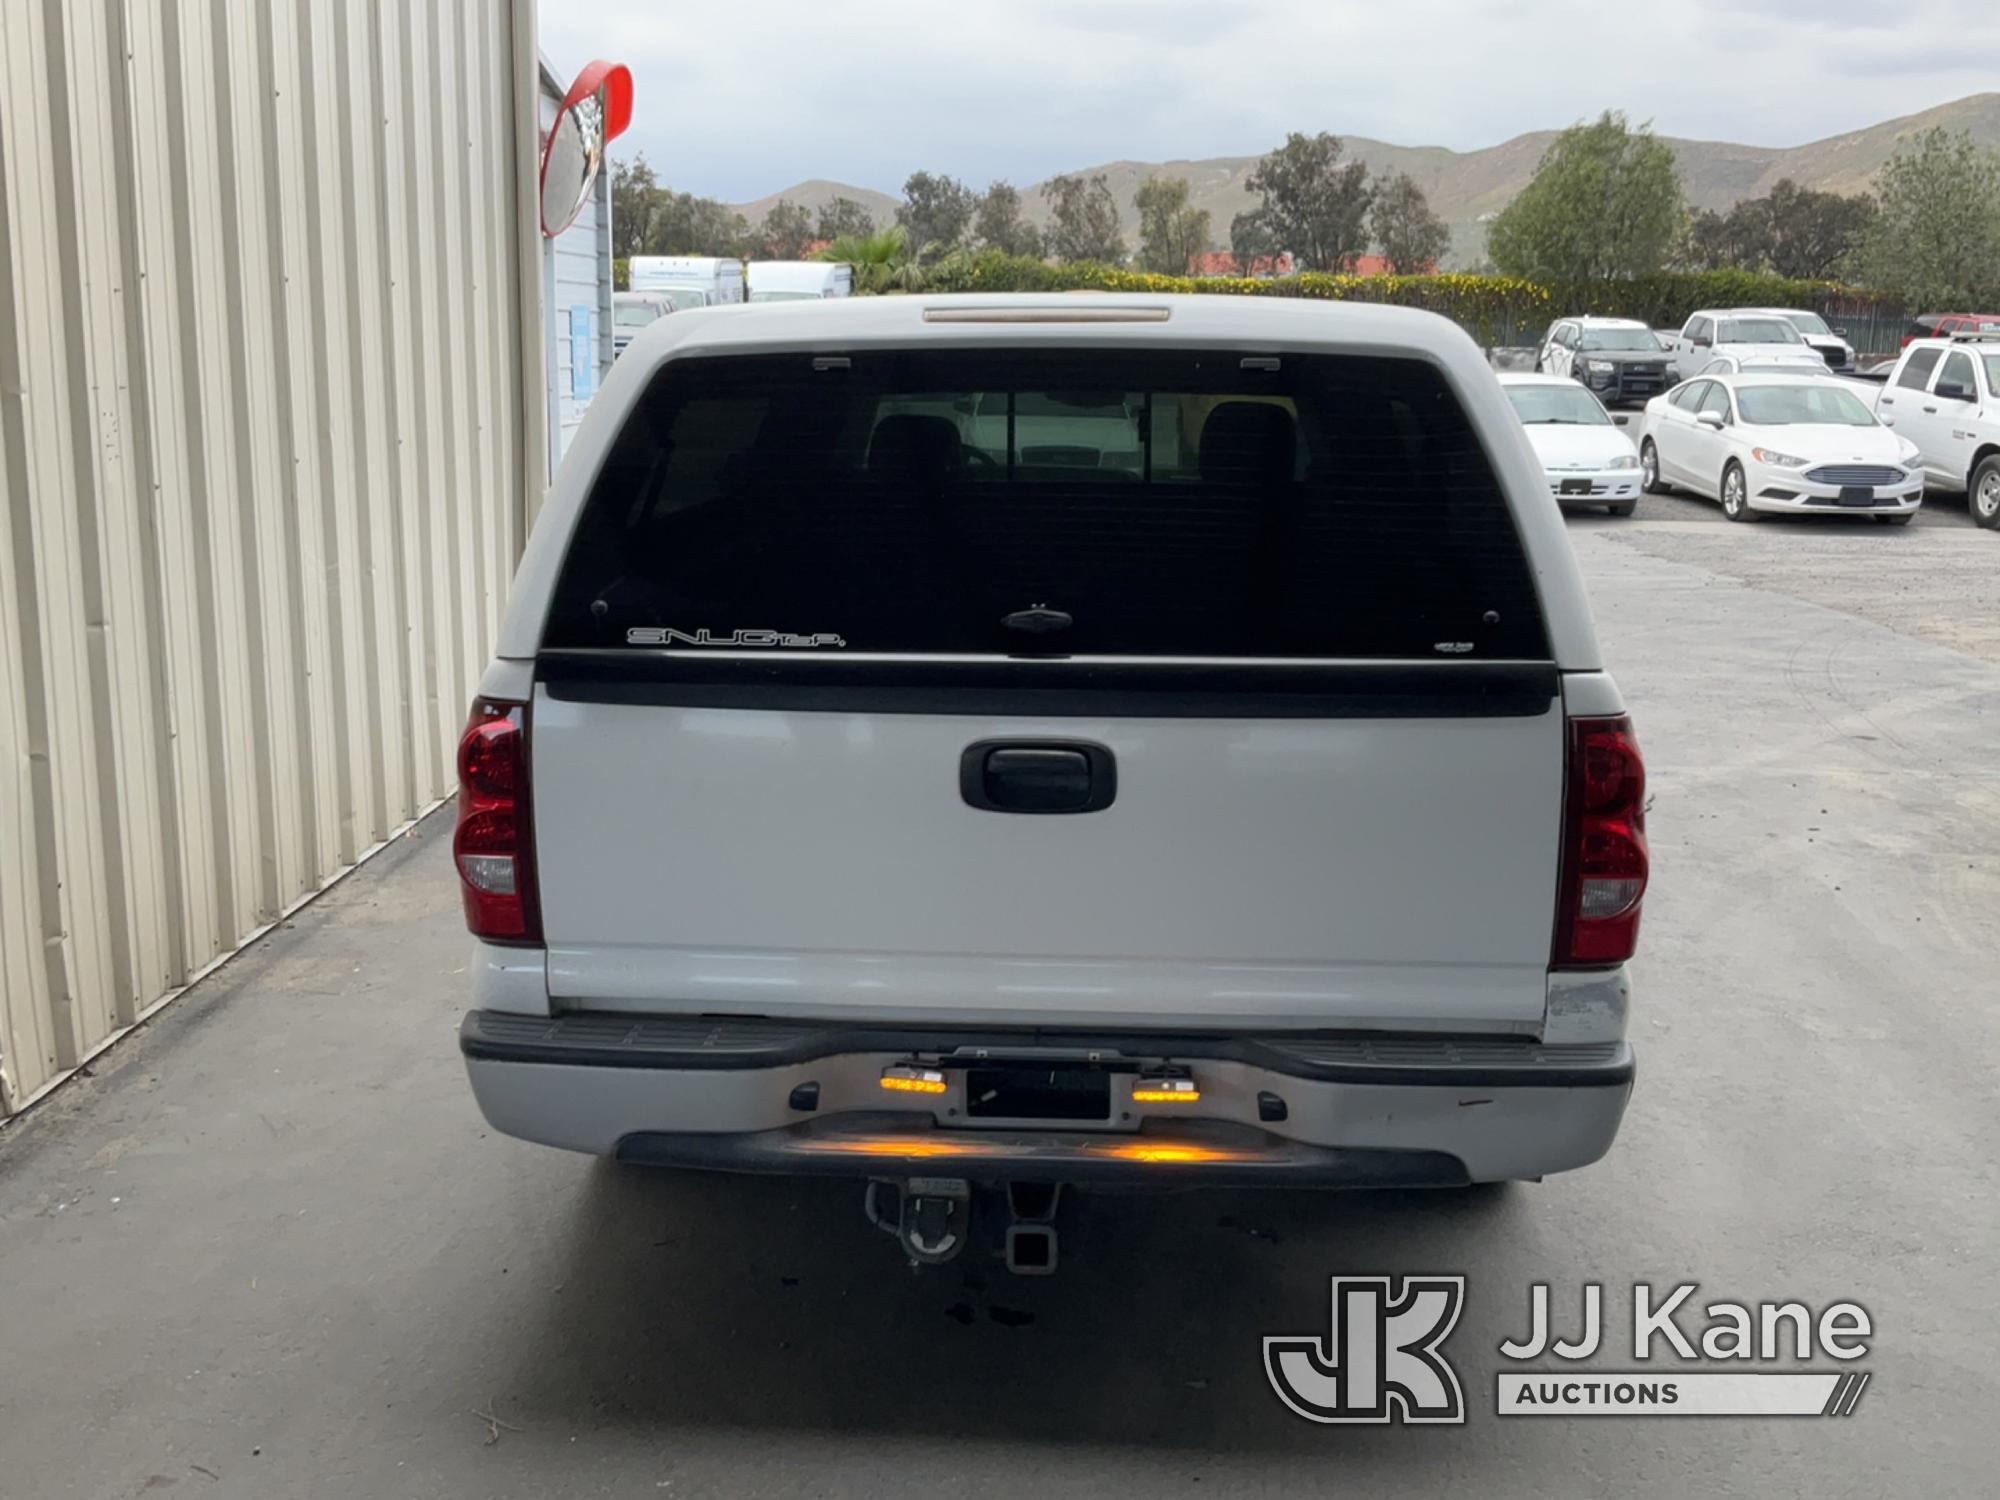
<point>729,1094</point>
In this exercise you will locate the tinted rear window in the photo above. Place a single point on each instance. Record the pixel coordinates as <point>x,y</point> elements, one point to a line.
<point>1167,504</point>
<point>1757,331</point>
<point>1620,338</point>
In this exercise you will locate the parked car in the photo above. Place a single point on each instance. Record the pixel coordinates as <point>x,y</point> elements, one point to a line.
<point>632,311</point>
<point>1827,344</point>
<point>799,280</point>
<point>1777,363</point>
<point>1588,459</point>
<point>1805,445</point>
<point>718,279</point>
<point>1808,366</point>
<point>1945,325</point>
<point>1616,358</point>
<point>1944,396</point>
<point>862,788</point>
<point>1708,334</point>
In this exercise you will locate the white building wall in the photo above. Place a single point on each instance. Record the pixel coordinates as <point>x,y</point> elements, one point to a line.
<point>576,284</point>
<point>264,362</point>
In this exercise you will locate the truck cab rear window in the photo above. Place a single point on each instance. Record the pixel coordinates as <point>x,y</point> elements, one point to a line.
<point>1107,503</point>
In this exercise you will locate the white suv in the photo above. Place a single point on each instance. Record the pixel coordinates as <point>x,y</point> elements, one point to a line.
<point>1944,396</point>
<point>1053,740</point>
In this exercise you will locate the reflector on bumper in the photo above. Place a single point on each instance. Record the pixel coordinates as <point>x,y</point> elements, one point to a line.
<point>1165,1089</point>
<point>903,1079</point>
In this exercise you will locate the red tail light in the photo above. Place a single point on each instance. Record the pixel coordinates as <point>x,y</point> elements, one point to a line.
<point>1604,846</point>
<point>494,844</point>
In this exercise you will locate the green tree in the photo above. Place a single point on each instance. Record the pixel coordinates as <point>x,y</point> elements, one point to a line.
<point>1412,238</point>
<point>683,224</point>
<point>1814,233</point>
<point>1936,241</point>
<point>648,219</point>
<point>1172,232</point>
<point>1083,220</point>
<point>1740,238</point>
<point>1250,240</point>
<point>634,193</point>
<point>998,224</point>
<point>1605,202</point>
<point>1791,231</point>
<point>786,231</point>
<point>843,216</point>
<point>935,212</point>
<point>1315,205</point>
<point>882,260</point>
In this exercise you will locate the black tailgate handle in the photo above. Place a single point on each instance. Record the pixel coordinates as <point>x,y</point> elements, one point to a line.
<point>1037,776</point>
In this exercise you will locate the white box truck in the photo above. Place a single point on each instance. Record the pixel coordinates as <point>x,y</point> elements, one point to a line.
<point>718,279</point>
<point>799,280</point>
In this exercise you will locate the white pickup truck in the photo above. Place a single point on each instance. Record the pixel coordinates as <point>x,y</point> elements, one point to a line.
<point>1944,396</point>
<point>1825,342</point>
<point>1042,740</point>
<point>1740,331</point>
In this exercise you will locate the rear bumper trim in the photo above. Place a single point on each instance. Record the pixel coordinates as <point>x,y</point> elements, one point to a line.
<point>704,1043</point>
<point>1194,1153</point>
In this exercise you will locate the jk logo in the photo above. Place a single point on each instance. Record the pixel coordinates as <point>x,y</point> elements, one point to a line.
<point>1382,1362</point>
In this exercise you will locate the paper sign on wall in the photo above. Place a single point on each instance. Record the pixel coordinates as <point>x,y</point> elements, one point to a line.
<point>582,351</point>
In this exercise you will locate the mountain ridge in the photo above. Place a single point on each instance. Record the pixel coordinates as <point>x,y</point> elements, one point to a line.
<point>1468,187</point>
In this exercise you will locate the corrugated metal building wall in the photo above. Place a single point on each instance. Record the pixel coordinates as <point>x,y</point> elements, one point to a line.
<point>267,443</point>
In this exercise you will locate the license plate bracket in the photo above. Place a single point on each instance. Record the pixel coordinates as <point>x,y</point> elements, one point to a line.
<point>1037,1091</point>
<point>1856,495</point>
<point>1573,487</point>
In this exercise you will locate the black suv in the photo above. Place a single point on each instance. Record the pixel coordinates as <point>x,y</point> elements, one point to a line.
<point>1620,361</point>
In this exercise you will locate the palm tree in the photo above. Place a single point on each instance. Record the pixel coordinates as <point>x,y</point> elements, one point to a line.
<point>882,261</point>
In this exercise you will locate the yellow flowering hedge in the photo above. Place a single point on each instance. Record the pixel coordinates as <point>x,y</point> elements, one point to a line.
<point>1493,309</point>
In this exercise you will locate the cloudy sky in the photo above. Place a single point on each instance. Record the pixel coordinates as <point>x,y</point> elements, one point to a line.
<point>736,101</point>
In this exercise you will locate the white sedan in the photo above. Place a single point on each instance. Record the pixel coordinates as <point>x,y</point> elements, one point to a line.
<point>1779,443</point>
<point>1588,459</point>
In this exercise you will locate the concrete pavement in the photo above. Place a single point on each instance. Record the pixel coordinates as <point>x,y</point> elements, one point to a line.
<point>271,1250</point>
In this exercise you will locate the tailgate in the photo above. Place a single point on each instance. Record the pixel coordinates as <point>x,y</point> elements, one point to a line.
<point>1393,868</point>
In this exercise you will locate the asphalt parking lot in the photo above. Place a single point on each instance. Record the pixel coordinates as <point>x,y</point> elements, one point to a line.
<point>270,1249</point>
<point>1939,510</point>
